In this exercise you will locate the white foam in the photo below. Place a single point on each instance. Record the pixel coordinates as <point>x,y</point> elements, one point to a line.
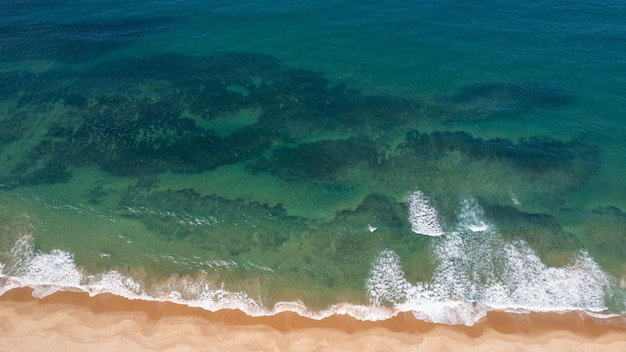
<point>181,218</point>
<point>423,217</point>
<point>256,266</point>
<point>48,273</point>
<point>478,228</point>
<point>472,217</point>
<point>56,268</point>
<point>475,274</point>
<point>20,254</point>
<point>365,313</point>
<point>114,282</point>
<point>45,272</point>
<point>449,312</point>
<point>228,264</point>
<point>386,283</point>
<point>515,200</point>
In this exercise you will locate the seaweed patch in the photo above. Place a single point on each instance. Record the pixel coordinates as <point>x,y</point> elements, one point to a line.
<point>172,113</point>
<point>493,99</point>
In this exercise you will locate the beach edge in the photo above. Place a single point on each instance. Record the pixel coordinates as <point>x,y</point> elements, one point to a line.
<point>74,320</point>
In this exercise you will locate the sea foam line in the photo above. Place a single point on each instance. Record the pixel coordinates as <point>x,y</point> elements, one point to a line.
<point>197,292</point>
<point>47,273</point>
<point>451,297</point>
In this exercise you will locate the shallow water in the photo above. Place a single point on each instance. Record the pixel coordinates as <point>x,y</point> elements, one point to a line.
<point>446,159</point>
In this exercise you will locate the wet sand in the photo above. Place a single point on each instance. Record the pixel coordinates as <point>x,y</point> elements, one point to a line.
<point>68,321</point>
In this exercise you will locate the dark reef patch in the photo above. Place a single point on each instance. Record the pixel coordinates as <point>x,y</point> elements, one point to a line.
<point>127,136</point>
<point>363,161</point>
<point>334,254</point>
<point>52,171</point>
<point>13,127</point>
<point>535,154</point>
<point>212,222</point>
<point>320,160</point>
<point>492,99</point>
<point>133,117</point>
<point>141,117</point>
<point>378,210</point>
<point>605,234</point>
<point>540,231</point>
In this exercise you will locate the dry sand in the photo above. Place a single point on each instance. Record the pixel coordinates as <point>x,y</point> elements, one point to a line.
<point>77,322</point>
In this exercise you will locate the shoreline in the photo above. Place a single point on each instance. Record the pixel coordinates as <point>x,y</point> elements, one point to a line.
<point>74,320</point>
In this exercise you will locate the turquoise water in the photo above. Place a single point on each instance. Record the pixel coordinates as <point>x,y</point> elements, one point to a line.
<point>364,158</point>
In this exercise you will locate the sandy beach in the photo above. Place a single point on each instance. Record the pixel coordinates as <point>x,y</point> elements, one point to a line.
<point>76,322</point>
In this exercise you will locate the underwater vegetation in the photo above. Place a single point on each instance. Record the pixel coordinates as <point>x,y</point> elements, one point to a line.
<point>453,163</point>
<point>333,254</point>
<point>12,130</point>
<point>144,116</point>
<point>493,99</point>
<point>127,136</point>
<point>321,160</point>
<point>138,117</point>
<point>605,234</point>
<point>214,223</point>
<point>534,154</point>
<point>541,232</point>
<point>141,117</point>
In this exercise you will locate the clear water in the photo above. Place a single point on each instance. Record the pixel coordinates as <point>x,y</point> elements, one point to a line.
<point>442,158</point>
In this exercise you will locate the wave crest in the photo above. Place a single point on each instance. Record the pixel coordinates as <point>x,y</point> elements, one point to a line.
<point>423,217</point>
<point>477,274</point>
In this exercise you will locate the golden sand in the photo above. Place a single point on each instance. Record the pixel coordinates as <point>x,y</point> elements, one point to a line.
<point>67,321</point>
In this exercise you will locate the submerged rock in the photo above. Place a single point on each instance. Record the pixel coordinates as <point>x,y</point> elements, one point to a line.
<point>605,234</point>
<point>541,232</point>
<point>492,99</point>
<point>536,154</point>
<point>138,116</point>
<point>320,160</point>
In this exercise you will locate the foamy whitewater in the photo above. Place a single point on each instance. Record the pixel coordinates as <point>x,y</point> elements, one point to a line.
<point>476,271</point>
<point>423,217</point>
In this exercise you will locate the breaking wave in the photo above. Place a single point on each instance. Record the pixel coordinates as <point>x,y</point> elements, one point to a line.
<point>423,216</point>
<point>465,287</point>
<point>475,271</point>
<point>47,273</point>
<point>472,217</point>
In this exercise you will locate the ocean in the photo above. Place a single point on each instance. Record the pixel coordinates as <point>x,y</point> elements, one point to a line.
<point>444,159</point>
